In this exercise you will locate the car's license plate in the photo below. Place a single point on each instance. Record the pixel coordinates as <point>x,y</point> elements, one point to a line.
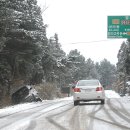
<point>88,90</point>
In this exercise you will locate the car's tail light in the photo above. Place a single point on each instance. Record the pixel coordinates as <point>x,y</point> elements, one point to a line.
<point>99,89</point>
<point>76,89</point>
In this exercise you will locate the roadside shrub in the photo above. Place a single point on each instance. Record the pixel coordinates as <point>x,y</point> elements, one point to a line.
<point>48,91</point>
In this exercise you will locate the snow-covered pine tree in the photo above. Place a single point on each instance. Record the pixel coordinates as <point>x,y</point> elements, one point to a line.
<point>24,39</point>
<point>123,65</point>
<point>76,65</point>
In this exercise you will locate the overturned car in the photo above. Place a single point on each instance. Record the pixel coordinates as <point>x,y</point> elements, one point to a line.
<point>25,94</point>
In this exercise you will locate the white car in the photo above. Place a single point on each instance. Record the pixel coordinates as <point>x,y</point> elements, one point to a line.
<point>88,90</point>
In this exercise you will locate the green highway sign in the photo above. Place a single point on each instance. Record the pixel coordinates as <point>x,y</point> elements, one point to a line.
<point>118,27</point>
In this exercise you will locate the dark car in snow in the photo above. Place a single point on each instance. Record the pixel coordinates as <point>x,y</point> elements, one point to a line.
<point>25,94</point>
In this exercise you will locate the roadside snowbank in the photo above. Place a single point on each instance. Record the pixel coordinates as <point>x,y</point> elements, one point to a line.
<point>17,108</point>
<point>111,94</point>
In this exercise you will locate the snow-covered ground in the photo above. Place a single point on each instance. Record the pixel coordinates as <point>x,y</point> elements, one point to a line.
<point>25,106</point>
<point>111,94</point>
<point>21,107</point>
<point>60,114</point>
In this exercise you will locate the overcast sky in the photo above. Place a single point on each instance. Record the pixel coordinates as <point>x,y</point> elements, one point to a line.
<point>84,21</point>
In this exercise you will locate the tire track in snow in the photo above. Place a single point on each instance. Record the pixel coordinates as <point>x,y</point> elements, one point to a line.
<point>112,122</point>
<point>28,109</point>
<point>110,116</point>
<point>58,115</point>
<point>117,112</point>
<point>33,116</point>
<point>91,122</point>
<point>51,121</point>
<point>74,122</point>
<point>41,108</point>
<point>92,117</point>
<point>123,109</point>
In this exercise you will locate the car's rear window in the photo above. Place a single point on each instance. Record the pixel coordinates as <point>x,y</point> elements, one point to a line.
<point>87,83</point>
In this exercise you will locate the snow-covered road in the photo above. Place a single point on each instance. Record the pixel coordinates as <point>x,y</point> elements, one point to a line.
<point>60,114</point>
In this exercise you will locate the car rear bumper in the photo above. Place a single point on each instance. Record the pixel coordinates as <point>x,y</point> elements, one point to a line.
<point>88,97</point>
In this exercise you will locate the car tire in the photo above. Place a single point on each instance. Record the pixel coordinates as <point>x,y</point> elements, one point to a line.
<point>38,100</point>
<point>76,103</point>
<point>103,102</point>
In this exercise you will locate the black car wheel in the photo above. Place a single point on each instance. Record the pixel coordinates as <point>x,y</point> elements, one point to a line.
<point>102,101</point>
<point>76,103</point>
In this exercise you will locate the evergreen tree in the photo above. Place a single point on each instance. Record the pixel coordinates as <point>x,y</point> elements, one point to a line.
<point>107,73</point>
<point>76,65</point>
<point>123,65</point>
<point>91,72</point>
<point>54,62</point>
<point>24,40</point>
